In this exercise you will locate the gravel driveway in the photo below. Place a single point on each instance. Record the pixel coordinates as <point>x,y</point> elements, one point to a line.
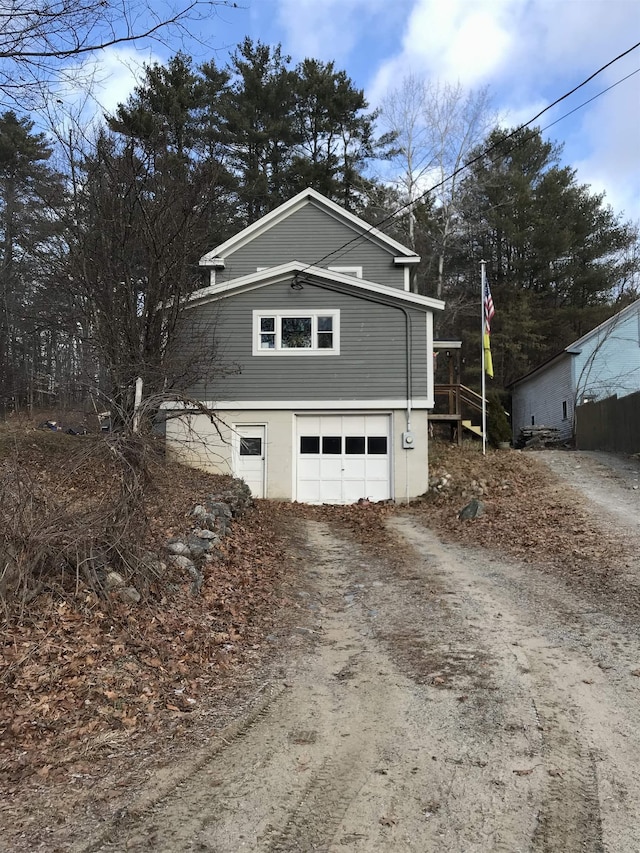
<point>445,699</point>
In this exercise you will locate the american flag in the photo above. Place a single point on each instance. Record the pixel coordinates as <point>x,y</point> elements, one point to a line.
<point>489,310</point>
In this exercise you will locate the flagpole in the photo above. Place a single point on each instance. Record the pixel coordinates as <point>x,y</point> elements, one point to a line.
<point>482,364</point>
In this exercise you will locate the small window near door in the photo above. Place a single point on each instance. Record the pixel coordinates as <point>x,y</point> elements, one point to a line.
<point>309,444</point>
<point>564,410</point>
<point>250,447</point>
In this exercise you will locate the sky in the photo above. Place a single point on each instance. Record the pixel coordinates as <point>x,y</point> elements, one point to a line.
<point>527,52</point>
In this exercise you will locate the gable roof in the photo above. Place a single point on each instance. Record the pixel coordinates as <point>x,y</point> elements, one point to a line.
<point>315,275</point>
<point>403,255</point>
<point>575,348</point>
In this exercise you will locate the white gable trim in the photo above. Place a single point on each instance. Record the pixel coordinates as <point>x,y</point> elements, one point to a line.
<point>576,346</point>
<point>308,196</point>
<point>283,272</point>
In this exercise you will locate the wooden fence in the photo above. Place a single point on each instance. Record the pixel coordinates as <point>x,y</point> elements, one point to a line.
<point>612,424</point>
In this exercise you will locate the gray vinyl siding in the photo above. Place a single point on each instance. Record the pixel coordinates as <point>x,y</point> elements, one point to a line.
<point>371,364</point>
<point>309,235</point>
<point>541,397</point>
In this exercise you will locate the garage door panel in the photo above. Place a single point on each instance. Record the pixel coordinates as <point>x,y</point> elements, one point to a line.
<point>331,468</point>
<point>308,492</point>
<point>355,468</point>
<point>377,468</point>
<point>377,425</point>
<point>309,467</point>
<point>377,491</point>
<point>354,425</point>
<point>329,425</point>
<point>331,491</point>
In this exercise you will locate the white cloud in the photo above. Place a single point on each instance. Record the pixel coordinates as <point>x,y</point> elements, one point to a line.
<point>530,52</point>
<point>330,30</point>
<point>103,81</point>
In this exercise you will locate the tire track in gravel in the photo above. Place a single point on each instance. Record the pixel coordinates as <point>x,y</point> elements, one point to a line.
<point>576,660</point>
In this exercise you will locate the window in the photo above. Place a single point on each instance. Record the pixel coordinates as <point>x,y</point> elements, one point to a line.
<point>296,333</point>
<point>250,447</point>
<point>564,410</point>
<point>355,271</point>
<point>354,445</point>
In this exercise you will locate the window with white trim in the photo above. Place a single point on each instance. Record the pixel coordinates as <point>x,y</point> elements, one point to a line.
<point>355,271</point>
<point>296,332</point>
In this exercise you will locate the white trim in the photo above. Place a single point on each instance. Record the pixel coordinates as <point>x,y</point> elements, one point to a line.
<point>429,354</point>
<point>283,272</point>
<point>358,406</point>
<point>278,315</point>
<point>409,259</point>
<point>291,206</point>
<point>440,344</point>
<point>356,272</point>
<point>407,279</point>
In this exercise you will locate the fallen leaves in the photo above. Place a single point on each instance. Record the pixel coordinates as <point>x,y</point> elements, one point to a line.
<point>77,668</point>
<point>537,519</point>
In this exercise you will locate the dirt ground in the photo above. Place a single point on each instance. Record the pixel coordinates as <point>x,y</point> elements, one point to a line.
<point>435,691</point>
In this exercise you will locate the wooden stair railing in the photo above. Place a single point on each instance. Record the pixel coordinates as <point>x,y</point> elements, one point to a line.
<point>457,396</point>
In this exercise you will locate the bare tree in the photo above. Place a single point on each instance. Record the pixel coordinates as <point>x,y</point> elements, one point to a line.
<point>436,125</point>
<point>403,115</point>
<point>41,41</point>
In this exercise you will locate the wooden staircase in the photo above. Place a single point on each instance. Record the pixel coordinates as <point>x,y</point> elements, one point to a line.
<point>476,430</point>
<point>458,402</point>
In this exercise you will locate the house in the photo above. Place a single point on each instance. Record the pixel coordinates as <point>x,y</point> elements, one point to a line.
<point>325,360</point>
<point>604,362</point>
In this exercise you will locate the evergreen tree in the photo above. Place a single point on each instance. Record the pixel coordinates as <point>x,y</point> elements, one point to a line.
<point>555,252</point>
<point>335,135</point>
<point>30,193</point>
<point>258,128</point>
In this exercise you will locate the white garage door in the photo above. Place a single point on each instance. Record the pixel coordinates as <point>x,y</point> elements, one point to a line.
<point>342,458</point>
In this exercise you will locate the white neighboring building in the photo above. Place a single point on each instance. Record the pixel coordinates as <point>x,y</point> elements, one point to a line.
<point>604,362</point>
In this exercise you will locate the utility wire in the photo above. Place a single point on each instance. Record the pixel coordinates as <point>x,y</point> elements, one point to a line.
<point>478,157</point>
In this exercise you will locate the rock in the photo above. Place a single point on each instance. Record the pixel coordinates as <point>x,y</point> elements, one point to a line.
<point>198,546</point>
<point>177,546</point>
<point>129,594</point>
<point>153,565</point>
<point>203,533</point>
<point>113,580</point>
<point>474,509</point>
<point>185,563</point>
<point>218,508</point>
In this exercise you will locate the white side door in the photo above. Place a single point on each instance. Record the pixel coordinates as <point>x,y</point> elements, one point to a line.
<point>250,455</point>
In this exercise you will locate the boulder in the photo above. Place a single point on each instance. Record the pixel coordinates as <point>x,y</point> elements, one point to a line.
<point>474,509</point>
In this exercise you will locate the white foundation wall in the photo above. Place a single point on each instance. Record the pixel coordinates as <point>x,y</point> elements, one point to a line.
<point>197,442</point>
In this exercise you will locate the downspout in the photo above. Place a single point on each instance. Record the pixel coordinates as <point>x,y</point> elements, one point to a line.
<point>408,337</point>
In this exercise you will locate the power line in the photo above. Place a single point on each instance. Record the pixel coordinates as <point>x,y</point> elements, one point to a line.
<point>488,150</point>
<point>595,97</point>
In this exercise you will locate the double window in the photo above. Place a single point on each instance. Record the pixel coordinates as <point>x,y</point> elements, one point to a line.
<point>296,333</point>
